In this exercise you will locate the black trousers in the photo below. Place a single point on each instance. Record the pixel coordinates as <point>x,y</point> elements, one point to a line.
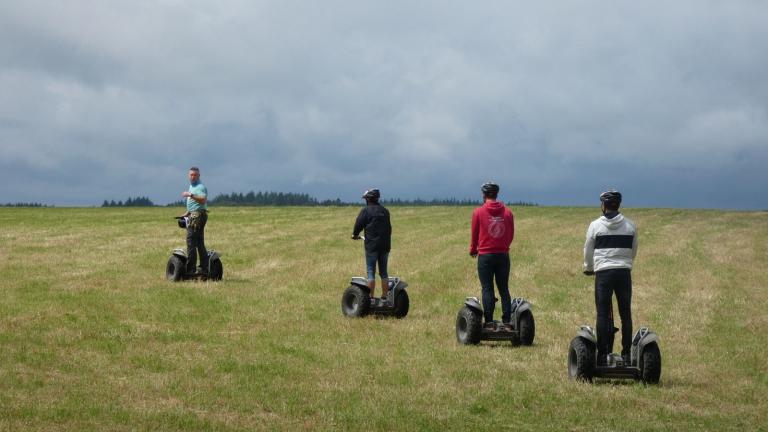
<point>196,244</point>
<point>608,282</point>
<point>490,267</point>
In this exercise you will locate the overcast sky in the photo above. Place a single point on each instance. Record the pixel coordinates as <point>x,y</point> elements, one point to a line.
<point>666,101</point>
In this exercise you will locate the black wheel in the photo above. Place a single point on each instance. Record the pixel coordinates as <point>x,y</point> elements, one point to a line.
<point>402,304</point>
<point>527,328</point>
<point>355,302</point>
<point>174,270</point>
<point>651,364</point>
<point>216,270</point>
<point>581,360</point>
<point>469,325</point>
<point>515,340</point>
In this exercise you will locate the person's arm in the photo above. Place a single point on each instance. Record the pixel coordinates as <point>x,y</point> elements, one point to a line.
<point>475,234</point>
<point>360,223</point>
<point>589,252</point>
<point>200,197</point>
<point>511,226</point>
<point>634,243</point>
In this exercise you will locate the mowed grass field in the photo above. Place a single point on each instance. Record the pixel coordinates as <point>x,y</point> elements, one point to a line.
<point>92,337</point>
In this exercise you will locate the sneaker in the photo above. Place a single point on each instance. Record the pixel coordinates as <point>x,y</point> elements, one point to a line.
<point>490,325</point>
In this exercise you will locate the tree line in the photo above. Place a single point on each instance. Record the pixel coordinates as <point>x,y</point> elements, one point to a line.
<point>130,202</point>
<point>25,204</point>
<point>256,199</point>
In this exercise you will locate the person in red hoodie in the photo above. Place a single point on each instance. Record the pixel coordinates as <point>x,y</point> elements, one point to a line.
<point>493,228</point>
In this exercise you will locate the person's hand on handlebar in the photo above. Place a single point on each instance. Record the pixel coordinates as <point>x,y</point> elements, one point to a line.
<point>589,272</point>
<point>355,237</point>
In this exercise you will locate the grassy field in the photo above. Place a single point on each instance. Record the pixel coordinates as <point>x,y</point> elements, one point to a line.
<point>92,337</point>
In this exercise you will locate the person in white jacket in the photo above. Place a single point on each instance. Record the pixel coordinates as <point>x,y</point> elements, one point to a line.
<point>609,252</point>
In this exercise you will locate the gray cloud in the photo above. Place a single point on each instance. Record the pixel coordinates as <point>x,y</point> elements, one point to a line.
<point>556,102</point>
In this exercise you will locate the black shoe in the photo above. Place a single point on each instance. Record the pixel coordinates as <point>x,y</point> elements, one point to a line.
<point>602,360</point>
<point>627,359</point>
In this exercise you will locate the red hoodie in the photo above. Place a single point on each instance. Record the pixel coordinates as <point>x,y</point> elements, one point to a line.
<point>493,228</point>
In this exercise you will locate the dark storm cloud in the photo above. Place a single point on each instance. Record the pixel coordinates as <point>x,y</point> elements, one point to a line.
<point>423,99</point>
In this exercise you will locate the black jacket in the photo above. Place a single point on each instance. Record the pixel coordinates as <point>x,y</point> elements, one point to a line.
<point>374,219</point>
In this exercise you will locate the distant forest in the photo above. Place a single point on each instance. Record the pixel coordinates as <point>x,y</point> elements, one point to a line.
<point>298,199</point>
<point>23,204</point>
<point>130,202</point>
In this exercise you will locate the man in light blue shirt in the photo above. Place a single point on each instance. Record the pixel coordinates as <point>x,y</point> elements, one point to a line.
<point>197,211</point>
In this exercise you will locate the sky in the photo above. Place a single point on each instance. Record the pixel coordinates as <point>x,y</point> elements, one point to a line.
<point>555,101</point>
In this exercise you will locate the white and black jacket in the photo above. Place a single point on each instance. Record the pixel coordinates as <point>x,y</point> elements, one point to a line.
<point>611,243</point>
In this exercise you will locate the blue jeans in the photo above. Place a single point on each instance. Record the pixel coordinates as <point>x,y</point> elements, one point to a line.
<point>371,258</point>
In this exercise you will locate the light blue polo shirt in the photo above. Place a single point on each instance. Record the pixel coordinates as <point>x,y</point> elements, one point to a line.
<point>197,189</point>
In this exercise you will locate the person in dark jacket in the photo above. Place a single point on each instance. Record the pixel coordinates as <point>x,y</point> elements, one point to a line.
<point>493,228</point>
<point>374,219</point>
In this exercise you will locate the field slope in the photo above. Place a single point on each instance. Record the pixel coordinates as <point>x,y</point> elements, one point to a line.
<point>93,338</point>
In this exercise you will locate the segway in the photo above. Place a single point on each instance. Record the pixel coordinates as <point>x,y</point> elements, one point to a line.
<point>356,302</point>
<point>519,331</point>
<point>176,269</point>
<point>644,363</point>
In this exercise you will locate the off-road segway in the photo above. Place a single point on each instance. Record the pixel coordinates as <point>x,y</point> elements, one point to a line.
<point>176,269</point>
<point>357,302</point>
<point>644,364</point>
<point>519,331</point>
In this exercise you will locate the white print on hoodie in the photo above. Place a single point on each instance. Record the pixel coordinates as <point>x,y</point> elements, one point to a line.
<point>611,244</point>
<point>496,228</point>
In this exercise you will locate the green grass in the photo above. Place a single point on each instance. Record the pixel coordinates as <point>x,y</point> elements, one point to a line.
<point>93,338</point>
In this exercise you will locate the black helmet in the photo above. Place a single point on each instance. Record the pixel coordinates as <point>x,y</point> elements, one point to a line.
<point>372,194</point>
<point>490,188</point>
<point>611,196</point>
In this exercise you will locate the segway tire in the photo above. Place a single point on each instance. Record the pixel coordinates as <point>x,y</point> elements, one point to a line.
<point>581,360</point>
<point>468,326</point>
<point>402,304</point>
<point>527,328</point>
<point>216,270</point>
<point>651,367</point>
<point>356,302</point>
<point>174,270</point>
